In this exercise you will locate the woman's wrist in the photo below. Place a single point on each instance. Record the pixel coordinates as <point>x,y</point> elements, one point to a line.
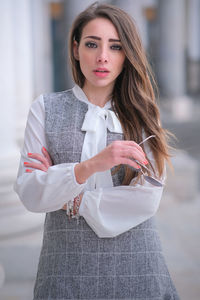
<point>84,170</point>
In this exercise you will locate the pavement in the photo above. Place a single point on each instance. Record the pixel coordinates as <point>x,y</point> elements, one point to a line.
<point>179,227</point>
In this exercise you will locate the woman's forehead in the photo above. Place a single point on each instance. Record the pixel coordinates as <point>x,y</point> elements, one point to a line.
<point>100,27</point>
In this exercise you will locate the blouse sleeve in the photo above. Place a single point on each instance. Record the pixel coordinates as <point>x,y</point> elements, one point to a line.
<point>112,211</point>
<point>43,191</point>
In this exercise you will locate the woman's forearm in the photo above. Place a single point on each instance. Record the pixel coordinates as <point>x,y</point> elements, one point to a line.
<point>48,191</point>
<point>84,170</point>
<point>116,153</point>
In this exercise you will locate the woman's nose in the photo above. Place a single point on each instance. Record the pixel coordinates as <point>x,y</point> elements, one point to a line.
<point>102,59</point>
<point>102,56</point>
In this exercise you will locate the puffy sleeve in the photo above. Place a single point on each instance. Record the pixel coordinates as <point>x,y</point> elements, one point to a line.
<point>112,211</point>
<point>43,191</point>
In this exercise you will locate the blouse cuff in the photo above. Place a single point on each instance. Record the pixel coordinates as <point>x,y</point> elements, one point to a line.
<point>48,191</point>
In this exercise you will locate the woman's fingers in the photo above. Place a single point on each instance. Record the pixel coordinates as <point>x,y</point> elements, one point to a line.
<point>37,166</point>
<point>28,171</point>
<point>45,161</point>
<point>47,156</point>
<point>133,145</point>
<point>37,156</point>
<point>134,153</point>
<point>129,146</point>
<point>132,163</point>
<point>118,152</point>
<point>41,158</point>
<point>128,149</point>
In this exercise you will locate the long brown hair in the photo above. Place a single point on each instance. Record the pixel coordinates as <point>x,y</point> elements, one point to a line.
<point>133,98</point>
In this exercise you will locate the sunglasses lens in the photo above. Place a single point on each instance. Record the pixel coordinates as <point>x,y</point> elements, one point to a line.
<point>153,181</point>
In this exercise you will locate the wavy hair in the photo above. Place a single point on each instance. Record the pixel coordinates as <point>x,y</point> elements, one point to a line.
<point>133,98</point>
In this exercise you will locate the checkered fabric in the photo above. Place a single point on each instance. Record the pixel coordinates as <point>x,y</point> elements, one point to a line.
<point>74,262</point>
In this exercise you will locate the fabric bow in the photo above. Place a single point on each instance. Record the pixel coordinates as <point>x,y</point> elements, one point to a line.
<point>97,121</point>
<point>92,116</point>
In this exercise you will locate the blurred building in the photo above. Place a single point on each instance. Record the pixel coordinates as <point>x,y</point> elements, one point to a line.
<point>34,59</point>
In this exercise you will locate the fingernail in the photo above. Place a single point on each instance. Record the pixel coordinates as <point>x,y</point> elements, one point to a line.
<point>30,153</point>
<point>145,162</point>
<point>138,167</point>
<point>25,163</point>
<point>44,149</point>
<point>28,171</point>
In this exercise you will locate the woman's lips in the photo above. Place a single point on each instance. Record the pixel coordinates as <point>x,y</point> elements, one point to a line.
<point>101,72</point>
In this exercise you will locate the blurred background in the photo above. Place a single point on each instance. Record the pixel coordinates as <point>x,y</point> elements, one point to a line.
<point>34,60</point>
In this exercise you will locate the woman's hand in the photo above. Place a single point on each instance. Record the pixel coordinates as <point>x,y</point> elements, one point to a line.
<point>118,152</point>
<point>45,161</point>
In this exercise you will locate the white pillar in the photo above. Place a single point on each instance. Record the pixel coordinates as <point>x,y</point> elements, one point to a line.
<point>193,45</point>
<point>2,276</point>
<point>7,79</point>
<point>42,46</point>
<point>171,63</point>
<point>16,89</point>
<point>194,29</point>
<point>171,58</point>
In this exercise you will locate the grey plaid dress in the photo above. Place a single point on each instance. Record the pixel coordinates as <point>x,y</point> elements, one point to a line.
<point>74,262</point>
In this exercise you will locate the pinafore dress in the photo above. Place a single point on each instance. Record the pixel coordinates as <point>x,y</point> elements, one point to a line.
<point>74,262</point>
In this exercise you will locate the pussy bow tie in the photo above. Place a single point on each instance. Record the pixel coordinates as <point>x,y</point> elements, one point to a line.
<point>97,121</point>
<point>108,118</point>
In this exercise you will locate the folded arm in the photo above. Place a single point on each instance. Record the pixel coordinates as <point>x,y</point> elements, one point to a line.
<point>42,191</point>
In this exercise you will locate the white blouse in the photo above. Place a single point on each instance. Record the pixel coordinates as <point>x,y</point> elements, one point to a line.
<point>108,210</point>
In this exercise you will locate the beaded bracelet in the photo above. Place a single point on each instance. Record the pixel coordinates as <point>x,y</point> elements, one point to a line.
<point>73,208</point>
<point>69,209</point>
<point>77,203</point>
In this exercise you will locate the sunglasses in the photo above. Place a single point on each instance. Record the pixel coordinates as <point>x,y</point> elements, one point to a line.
<point>148,178</point>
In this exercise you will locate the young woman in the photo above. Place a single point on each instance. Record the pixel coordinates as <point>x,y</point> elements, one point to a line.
<point>94,169</point>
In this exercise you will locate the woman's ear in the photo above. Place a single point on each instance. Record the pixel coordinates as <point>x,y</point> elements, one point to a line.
<point>75,50</point>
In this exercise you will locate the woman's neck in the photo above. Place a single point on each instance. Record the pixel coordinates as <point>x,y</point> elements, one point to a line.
<point>98,95</point>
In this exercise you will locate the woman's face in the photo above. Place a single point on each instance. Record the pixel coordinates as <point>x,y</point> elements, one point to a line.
<point>100,54</point>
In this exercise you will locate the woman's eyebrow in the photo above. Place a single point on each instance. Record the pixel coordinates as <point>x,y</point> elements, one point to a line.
<point>98,38</point>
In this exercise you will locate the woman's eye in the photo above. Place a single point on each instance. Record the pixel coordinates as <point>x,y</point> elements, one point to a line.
<point>116,47</point>
<point>91,45</point>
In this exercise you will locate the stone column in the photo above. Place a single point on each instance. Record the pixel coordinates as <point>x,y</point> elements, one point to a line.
<point>17,91</point>
<point>193,46</point>
<point>42,46</point>
<point>171,58</point>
